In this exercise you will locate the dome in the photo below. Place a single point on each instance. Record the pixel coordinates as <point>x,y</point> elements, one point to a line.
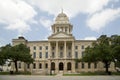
<point>61,18</point>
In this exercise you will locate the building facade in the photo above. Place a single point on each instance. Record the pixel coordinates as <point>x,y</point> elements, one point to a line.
<point>57,54</point>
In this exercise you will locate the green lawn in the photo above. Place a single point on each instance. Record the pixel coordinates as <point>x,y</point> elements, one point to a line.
<point>91,74</point>
<point>15,73</point>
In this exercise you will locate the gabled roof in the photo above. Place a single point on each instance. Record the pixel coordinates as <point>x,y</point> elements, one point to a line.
<point>61,35</point>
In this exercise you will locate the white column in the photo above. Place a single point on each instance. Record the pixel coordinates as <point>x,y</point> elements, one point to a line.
<point>73,49</point>
<point>65,56</point>
<point>56,50</point>
<point>49,49</point>
<point>49,56</point>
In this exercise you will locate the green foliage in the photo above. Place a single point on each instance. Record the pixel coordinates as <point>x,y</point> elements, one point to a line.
<point>17,53</point>
<point>100,51</point>
<point>115,45</point>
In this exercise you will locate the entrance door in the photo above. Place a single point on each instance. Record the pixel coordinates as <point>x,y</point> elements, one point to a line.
<point>61,66</point>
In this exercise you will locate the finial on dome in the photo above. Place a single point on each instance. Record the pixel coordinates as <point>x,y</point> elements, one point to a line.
<point>62,10</point>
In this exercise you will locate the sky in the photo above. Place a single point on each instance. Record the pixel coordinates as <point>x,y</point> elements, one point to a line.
<point>33,18</point>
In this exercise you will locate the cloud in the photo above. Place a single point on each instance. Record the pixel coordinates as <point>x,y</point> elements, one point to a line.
<point>70,7</point>
<point>90,38</point>
<point>16,15</point>
<point>46,22</point>
<point>100,19</point>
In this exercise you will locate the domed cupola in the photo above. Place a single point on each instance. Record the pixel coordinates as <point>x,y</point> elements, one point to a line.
<point>62,24</point>
<point>62,19</point>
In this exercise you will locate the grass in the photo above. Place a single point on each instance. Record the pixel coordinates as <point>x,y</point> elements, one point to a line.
<point>91,74</point>
<point>4,73</point>
<point>15,73</point>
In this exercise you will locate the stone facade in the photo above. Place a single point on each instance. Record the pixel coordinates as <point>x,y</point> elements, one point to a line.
<point>57,54</point>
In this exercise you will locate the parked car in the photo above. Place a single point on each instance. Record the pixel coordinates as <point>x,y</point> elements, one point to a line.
<point>1,69</point>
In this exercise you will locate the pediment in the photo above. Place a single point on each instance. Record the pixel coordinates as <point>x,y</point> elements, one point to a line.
<point>61,35</point>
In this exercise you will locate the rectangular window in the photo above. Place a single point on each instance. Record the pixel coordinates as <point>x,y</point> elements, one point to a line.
<point>34,65</point>
<point>89,65</point>
<point>53,55</point>
<point>66,29</point>
<point>34,47</point>
<point>28,66</point>
<point>46,55</point>
<point>40,66</point>
<point>34,55</point>
<point>69,55</point>
<point>46,65</point>
<point>61,47</point>
<point>83,65</point>
<point>40,47</point>
<point>76,47</point>
<point>46,47</point>
<point>69,47</point>
<point>40,55</point>
<point>95,65</point>
<point>76,65</point>
<point>82,47</point>
<point>53,48</point>
<point>76,54</point>
<point>83,54</point>
<point>61,54</point>
<point>19,65</point>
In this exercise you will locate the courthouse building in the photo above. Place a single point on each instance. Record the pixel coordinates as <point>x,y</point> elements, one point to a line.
<point>57,54</point>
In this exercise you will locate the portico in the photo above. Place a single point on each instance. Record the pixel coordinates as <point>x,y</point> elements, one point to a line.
<point>61,56</point>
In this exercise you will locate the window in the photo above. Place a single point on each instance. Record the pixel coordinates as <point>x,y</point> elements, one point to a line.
<point>34,55</point>
<point>95,65</point>
<point>69,47</point>
<point>53,54</point>
<point>83,54</point>
<point>76,47</point>
<point>40,55</point>
<point>46,47</point>
<point>89,65</point>
<point>46,56</point>
<point>83,66</point>
<point>82,46</point>
<point>40,66</point>
<point>69,55</point>
<point>61,54</point>
<point>46,65</point>
<point>34,65</point>
<point>53,48</point>
<point>61,47</point>
<point>28,66</point>
<point>65,29</point>
<point>76,54</point>
<point>19,65</point>
<point>40,47</point>
<point>57,29</point>
<point>76,65</point>
<point>34,47</point>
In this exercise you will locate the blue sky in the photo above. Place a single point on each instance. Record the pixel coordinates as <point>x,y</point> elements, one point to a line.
<point>33,18</point>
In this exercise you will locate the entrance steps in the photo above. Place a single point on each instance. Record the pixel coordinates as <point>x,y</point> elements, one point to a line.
<point>59,74</point>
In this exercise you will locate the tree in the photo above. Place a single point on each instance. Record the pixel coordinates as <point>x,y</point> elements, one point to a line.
<point>100,51</point>
<point>115,45</point>
<point>2,60</point>
<point>17,53</point>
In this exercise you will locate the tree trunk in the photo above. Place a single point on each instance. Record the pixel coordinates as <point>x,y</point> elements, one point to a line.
<point>16,66</point>
<point>107,67</point>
